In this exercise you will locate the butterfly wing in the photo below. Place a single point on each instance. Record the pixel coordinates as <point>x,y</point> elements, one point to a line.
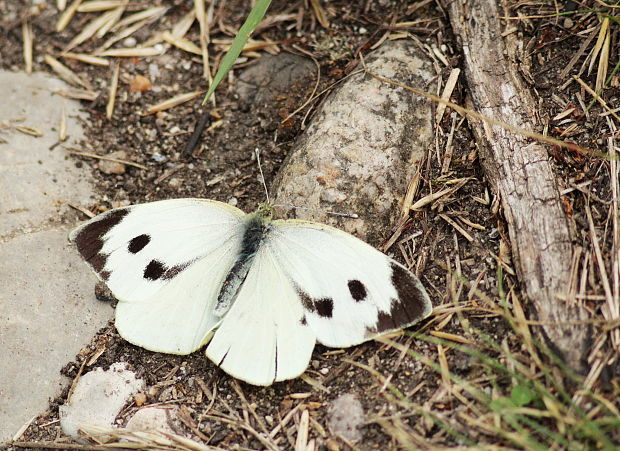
<point>310,282</point>
<point>349,291</point>
<point>262,338</point>
<point>165,261</point>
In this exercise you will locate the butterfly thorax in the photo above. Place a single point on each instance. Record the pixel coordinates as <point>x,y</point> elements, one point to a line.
<point>256,226</point>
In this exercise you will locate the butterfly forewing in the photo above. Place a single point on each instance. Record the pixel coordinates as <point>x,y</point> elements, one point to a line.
<point>139,249</point>
<point>350,292</point>
<point>166,262</point>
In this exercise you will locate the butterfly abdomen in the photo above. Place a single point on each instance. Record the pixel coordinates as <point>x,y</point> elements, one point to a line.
<point>256,227</point>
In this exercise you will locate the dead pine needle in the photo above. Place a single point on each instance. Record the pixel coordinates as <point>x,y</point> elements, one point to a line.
<point>113,88</point>
<point>101,157</point>
<point>27,40</point>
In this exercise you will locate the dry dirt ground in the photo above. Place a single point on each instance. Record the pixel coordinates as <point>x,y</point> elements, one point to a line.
<point>417,392</point>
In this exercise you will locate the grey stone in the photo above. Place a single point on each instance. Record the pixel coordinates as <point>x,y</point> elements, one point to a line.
<point>363,145</point>
<point>48,312</point>
<point>272,76</point>
<point>113,167</point>
<point>345,417</point>
<point>98,398</point>
<point>162,419</point>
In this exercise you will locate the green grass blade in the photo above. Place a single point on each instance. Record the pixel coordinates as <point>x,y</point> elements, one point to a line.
<point>254,18</point>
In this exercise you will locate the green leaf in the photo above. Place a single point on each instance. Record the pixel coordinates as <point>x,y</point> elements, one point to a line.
<point>501,404</point>
<point>521,395</point>
<point>254,18</point>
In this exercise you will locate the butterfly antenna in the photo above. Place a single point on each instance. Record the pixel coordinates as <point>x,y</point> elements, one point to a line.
<point>262,176</point>
<point>331,213</point>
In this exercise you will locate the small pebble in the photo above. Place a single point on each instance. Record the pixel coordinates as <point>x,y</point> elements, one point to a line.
<point>130,42</point>
<point>113,167</point>
<point>345,417</point>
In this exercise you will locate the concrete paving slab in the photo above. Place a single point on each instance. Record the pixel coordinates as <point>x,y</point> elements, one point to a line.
<point>47,308</point>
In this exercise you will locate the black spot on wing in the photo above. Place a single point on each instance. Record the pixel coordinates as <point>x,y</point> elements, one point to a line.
<point>407,308</point>
<point>138,243</point>
<point>357,290</point>
<point>175,270</point>
<point>303,321</point>
<point>306,301</point>
<point>324,307</point>
<point>154,270</point>
<point>89,241</point>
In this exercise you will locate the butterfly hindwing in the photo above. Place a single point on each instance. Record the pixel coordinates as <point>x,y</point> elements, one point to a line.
<point>350,292</point>
<point>262,338</point>
<point>165,261</point>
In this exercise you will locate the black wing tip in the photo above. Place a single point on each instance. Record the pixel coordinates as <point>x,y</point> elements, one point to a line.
<point>411,305</point>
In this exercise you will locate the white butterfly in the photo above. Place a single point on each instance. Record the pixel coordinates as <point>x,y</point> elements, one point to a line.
<point>261,292</point>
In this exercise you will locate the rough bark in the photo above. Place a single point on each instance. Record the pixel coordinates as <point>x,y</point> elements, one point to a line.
<point>520,172</point>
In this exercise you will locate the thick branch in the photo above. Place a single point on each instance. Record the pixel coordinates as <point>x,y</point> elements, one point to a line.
<point>521,174</point>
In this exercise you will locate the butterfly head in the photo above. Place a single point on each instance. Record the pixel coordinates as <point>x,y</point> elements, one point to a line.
<point>265,211</point>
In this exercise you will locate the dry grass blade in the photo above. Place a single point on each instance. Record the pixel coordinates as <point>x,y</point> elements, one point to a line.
<point>22,429</point>
<point>61,4</point>
<point>301,442</point>
<point>412,190</point>
<point>132,52</point>
<point>102,157</point>
<point>445,370</point>
<point>201,15</point>
<point>614,307</point>
<point>150,13</point>
<point>30,131</point>
<point>85,58</point>
<point>115,16</point>
<point>602,33</point>
<point>603,61</point>
<point>598,98</point>
<point>127,438</point>
<point>27,40</point>
<point>90,30</point>
<point>181,43</point>
<point>447,91</point>
<point>123,34</point>
<point>457,227</point>
<point>319,13</point>
<point>100,5</point>
<point>109,110</point>
<point>62,129</point>
<point>66,17</point>
<point>181,28</point>
<point>174,101</point>
<point>77,94</point>
<point>434,196</point>
<point>601,263</point>
<point>66,74</point>
<point>451,337</point>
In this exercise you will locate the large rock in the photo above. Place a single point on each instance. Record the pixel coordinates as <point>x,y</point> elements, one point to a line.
<point>363,146</point>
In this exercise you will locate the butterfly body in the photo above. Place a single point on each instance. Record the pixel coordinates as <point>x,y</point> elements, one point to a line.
<point>256,226</point>
<point>260,292</point>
